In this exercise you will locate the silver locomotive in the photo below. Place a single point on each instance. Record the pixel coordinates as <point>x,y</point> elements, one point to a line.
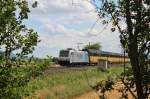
<point>73,57</point>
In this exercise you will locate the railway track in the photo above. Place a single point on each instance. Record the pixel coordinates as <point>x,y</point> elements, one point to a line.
<point>63,69</point>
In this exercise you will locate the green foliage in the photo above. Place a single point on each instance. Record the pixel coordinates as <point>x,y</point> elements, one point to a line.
<point>14,36</point>
<point>14,80</point>
<point>134,34</point>
<point>128,80</point>
<point>104,86</point>
<point>96,46</point>
<point>11,80</point>
<point>13,33</point>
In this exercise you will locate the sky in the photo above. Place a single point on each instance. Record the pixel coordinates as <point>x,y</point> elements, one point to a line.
<point>62,24</point>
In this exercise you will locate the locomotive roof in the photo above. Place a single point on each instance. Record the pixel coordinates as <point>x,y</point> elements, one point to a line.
<point>99,52</point>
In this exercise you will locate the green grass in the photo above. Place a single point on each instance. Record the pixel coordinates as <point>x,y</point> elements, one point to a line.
<point>64,85</point>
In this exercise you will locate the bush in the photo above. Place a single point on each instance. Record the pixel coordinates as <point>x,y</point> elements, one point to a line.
<point>11,80</point>
<point>14,78</point>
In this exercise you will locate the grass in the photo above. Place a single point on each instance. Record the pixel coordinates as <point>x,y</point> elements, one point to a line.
<point>65,85</point>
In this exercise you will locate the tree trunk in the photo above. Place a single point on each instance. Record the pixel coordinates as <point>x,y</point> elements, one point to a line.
<point>133,53</point>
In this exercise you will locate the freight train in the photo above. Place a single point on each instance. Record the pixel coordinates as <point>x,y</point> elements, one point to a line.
<point>89,57</point>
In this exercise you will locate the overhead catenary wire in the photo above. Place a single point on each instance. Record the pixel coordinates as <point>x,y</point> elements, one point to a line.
<point>93,25</point>
<point>103,29</point>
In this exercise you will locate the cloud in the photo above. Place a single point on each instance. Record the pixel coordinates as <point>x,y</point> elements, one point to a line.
<point>63,25</point>
<point>64,10</point>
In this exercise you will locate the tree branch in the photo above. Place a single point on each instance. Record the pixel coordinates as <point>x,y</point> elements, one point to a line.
<point>129,89</point>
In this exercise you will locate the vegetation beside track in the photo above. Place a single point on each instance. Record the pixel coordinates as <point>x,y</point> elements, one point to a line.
<point>68,83</point>
<point>15,79</point>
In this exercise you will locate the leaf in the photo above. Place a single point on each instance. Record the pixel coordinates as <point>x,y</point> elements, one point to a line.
<point>34,5</point>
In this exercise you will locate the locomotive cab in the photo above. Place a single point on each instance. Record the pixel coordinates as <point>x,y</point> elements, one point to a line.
<point>63,57</point>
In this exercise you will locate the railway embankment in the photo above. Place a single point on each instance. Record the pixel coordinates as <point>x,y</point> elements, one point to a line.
<point>66,82</point>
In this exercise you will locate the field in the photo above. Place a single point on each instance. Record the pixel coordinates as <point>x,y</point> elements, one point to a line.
<point>67,84</point>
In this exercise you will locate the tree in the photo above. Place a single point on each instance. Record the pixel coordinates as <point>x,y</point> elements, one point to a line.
<point>132,19</point>
<point>14,36</point>
<point>96,46</point>
<point>13,33</point>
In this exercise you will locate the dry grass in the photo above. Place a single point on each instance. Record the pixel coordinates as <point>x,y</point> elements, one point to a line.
<point>67,84</point>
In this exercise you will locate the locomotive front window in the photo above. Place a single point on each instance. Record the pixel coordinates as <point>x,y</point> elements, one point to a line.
<point>64,53</point>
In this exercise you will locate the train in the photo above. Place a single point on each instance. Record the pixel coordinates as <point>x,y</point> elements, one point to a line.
<point>71,57</point>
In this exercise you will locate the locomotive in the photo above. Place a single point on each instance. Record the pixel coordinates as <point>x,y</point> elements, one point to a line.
<point>89,57</point>
<point>73,57</point>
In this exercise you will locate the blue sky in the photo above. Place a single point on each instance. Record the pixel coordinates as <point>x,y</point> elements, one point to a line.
<point>61,25</point>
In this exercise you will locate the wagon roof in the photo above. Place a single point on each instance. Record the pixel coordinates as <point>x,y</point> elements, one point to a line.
<point>100,52</point>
